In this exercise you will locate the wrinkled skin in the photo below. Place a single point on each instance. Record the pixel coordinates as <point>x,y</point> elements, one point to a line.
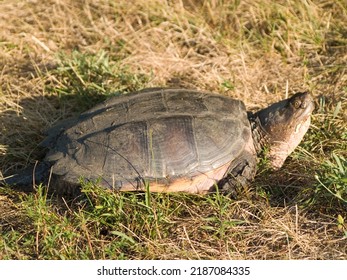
<point>284,124</point>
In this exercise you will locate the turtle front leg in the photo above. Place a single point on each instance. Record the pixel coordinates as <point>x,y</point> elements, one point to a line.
<point>239,175</point>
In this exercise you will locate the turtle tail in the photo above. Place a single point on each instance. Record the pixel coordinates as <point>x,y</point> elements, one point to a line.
<point>26,178</point>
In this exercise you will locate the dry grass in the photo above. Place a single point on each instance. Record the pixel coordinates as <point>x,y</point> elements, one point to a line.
<point>257,51</point>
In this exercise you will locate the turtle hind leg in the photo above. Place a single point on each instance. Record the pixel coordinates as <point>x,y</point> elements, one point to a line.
<point>239,176</point>
<point>25,179</point>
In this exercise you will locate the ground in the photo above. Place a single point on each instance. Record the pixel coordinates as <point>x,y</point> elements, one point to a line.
<point>58,58</point>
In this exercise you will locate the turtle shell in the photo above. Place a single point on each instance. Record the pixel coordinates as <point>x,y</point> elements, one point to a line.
<point>174,139</point>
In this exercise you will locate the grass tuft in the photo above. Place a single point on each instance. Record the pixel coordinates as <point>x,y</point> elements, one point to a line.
<point>333,177</point>
<point>91,78</point>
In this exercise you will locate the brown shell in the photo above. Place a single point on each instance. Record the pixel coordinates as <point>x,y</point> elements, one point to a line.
<point>176,139</point>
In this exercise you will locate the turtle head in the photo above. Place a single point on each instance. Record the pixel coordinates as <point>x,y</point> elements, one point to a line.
<point>283,125</point>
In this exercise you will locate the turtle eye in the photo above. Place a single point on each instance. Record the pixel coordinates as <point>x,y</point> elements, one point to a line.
<point>297,104</point>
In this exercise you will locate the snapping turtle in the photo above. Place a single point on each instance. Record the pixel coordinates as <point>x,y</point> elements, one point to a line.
<point>173,139</point>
